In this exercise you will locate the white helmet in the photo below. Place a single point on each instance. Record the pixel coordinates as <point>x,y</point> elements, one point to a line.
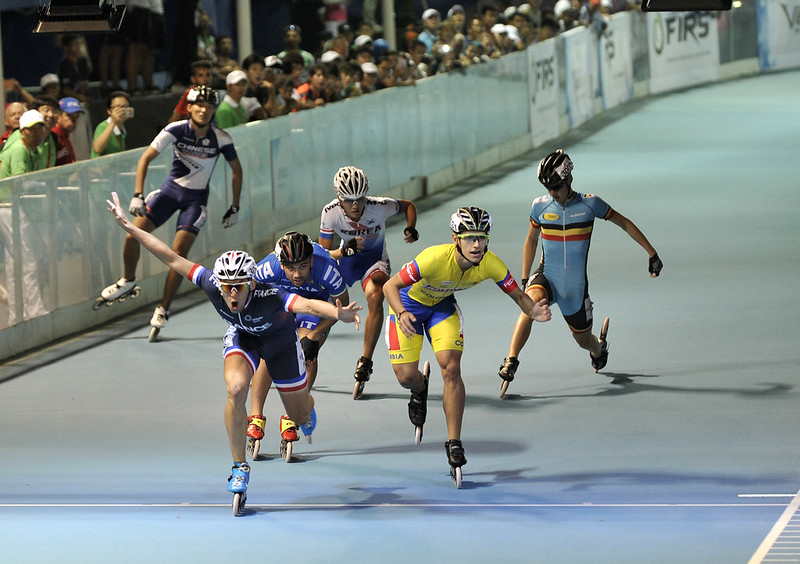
<point>350,183</point>
<point>234,265</point>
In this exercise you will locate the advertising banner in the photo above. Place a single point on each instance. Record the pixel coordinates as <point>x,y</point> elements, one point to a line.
<point>616,61</point>
<point>543,90</point>
<point>778,34</point>
<point>580,54</point>
<point>683,49</point>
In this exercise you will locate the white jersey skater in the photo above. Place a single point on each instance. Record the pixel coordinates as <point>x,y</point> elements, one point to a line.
<point>371,227</point>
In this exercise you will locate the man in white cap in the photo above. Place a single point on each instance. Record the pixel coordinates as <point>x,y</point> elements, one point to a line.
<point>21,157</point>
<point>50,85</point>
<point>231,111</point>
<point>431,20</point>
<point>369,71</point>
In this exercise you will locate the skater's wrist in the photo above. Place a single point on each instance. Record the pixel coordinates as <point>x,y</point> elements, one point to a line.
<point>399,315</point>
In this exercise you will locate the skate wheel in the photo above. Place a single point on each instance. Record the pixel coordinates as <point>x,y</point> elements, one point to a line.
<point>418,435</point>
<point>122,298</point>
<point>604,330</point>
<point>109,303</point>
<point>153,334</point>
<point>426,369</point>
<point>136,291</point>
<point>358,389</point>
<point>455,474</point>
<point>503,388</point>
<point>239,501</point>
<point>286,450</point>
<point>98,304</point>
<point>253,446</point>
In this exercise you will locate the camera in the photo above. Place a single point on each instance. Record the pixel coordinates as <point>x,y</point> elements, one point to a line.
<point>128,113</point>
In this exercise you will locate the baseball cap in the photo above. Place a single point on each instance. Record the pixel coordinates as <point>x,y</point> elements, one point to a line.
<point>430,13</point>
<point>329,56</point>
<point>456,9</point>
<point>70,105</point>
<point>362,40</point>
<point>48,79</point>
<point>29,118</point>
<point>235,77</point>
<point>273,62</point>
<point>369,68</point>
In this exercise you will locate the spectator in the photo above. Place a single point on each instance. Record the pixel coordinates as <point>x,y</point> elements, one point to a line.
<point>292,38</point>
<point>294,68</point>
<point>143,28</point>
<point>201,76</point>
<point>206,42</point>
<point>488,17</point>
<point>224,63</point>
<point>14,111</point>
<point>288,101</point>
<point>350,77</point>
<point>21,157</point>
<point>260,92</point>
<point>431,21</point>
<point>458,18</point>
<point>48,107</point>
<point>15,92</point>
<point>109,135</point>
<point>71,112</point>
<point>313,92</point>
<point>417,53</point>
<point>369,77</point>
<point>49,86</point>
<point>74,71</point>
<point>109,62</point>
<point>231,112</point>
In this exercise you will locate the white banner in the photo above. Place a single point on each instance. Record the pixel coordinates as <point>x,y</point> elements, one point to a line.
<point>778,34</point>
<point>580,54</point>
<point>616,61</point>
<point>543,90</point>
<point>684,49</point>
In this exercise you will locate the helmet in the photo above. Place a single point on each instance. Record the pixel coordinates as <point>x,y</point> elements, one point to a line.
<point>350,183</point>
<point>555,169</point>
<point>469,219</point>
<point>234,265</point>
<point>203,94</point>
<point>294,247</point>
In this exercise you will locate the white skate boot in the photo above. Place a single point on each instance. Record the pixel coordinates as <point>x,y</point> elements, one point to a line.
<point>158,322</point>
<point>118,292</point>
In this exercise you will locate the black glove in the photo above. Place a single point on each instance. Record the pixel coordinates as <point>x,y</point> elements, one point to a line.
<point>350,248</point>
<point>655,265</point>
<point>411,232</point>
<point>310,348</point>
<point>230,217</point>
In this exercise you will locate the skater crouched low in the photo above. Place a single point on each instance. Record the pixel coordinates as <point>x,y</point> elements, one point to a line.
<point>262,327</point>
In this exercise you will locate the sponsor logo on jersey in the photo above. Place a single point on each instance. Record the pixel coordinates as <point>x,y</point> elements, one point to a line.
<point>550,216</point>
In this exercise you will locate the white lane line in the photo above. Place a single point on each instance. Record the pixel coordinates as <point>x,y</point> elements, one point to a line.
<point>781,524</point>
<point>386,505</point>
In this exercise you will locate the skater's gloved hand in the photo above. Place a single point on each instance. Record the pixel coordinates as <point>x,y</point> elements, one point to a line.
<point>310,349</point>
<point>231,217</point>
<point>411,234</point>
<point>351,247</point>
<point>137,205</point>
<point>655,265</point>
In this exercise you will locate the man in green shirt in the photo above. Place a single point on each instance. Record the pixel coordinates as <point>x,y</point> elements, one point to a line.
<point>231,112</point>
<point>22,157</point>
<point>109,135</point>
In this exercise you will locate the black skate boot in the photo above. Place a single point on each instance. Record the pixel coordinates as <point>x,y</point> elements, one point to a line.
<point>456,459</point>
<point>363,370</point>
<point>507,371</point>
<point>418,405</point>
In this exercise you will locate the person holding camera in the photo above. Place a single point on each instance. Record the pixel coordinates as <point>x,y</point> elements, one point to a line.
<point>109,135</point>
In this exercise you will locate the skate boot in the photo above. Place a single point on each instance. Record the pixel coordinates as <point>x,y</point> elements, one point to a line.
<point>158,322</point>
<point>255,432</point>
<point>418,405</point>
<point>507,371</point>
<point>240,476</point>
<point>363,370</point>
<point>288,436</point>
<point>456,459</point>
<point>237,485</point>
<point>309,426</point>
<point>599,362</point>
<point>117,292</point>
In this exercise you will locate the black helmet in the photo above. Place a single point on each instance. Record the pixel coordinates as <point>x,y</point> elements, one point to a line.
<point>203,94</point>
<point>555,169</point>
<point>471,219</point>
<point>294,247</point>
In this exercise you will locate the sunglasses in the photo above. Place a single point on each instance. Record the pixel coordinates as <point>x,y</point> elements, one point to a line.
<point>229,288</point>
<point>472,239</point>
<point>357,201</point>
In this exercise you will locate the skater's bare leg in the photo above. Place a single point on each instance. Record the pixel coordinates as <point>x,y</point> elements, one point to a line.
<point>259,389</point>
<point>237,381</point>
<point>373,291</point>
<point>409,376</point>
<point>181,244</point>
<point>131,249</point>
<point>454,394</point>
<point>524,324</point>
<point>586,340</point>
<point>298,405</point>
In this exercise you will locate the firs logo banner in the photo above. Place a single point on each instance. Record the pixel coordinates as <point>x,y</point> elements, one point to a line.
<point>543,91</point>
<point>778,34</point>
<point>683,49</point>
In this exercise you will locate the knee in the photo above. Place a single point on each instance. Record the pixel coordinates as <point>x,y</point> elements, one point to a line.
<point>237,390</point>
<point>406,376</point>
<point>451,374</point>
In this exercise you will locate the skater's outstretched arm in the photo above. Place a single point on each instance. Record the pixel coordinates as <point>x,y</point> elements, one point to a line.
<point>630,228</point>
<point>326,309</point>
<point>158,248</point>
